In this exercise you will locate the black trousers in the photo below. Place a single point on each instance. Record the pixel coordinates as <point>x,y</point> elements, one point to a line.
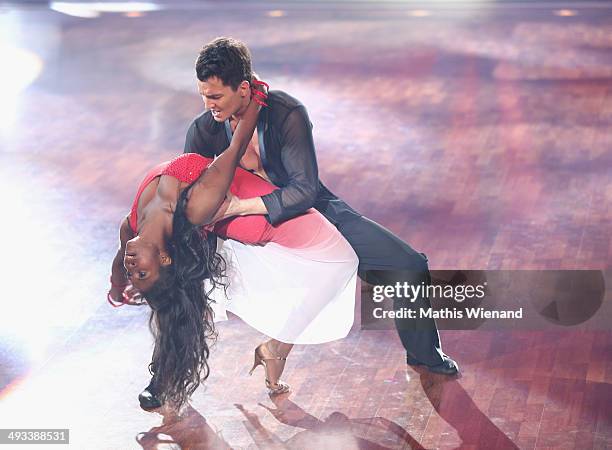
<point>385,259</point>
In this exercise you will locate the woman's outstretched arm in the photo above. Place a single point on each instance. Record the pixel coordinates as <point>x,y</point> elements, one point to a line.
<point>118,276</point>
<point>208,192</point>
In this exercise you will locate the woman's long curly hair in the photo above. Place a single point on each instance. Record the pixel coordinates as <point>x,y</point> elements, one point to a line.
<point>181,318</point>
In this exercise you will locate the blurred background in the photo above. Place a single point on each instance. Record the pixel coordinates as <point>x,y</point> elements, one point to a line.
<point>478,131</point>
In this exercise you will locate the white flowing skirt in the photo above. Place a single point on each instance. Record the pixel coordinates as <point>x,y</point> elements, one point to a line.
<point>298,296</point>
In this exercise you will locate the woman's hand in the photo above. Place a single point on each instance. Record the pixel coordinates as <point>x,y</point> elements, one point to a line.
<point>132,296</point>
<point>125,295</point>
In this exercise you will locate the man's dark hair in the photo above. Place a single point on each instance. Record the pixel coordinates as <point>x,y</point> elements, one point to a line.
<point>227,59</point>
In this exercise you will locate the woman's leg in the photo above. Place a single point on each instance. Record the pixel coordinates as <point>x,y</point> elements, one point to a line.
<point>275,367</point>
<point>272,355</point>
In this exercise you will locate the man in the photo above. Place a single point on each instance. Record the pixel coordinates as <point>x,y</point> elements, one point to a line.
<point>282,151</point>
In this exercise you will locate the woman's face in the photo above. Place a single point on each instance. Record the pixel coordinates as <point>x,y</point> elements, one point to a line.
<point>142,260</point>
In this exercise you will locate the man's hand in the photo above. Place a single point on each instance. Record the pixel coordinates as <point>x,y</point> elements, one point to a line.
<point>236,206</point>
<point>229,208</point>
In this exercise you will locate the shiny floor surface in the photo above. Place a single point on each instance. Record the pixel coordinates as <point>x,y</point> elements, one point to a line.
<point>480,135</point>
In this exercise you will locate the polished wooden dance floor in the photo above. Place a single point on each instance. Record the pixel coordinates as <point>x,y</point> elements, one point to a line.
<point>478,133</point>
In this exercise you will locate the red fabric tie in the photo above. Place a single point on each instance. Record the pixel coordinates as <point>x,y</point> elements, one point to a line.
<point>259,96</point>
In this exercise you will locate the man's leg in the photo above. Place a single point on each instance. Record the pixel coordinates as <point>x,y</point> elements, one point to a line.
<point>386,259</point>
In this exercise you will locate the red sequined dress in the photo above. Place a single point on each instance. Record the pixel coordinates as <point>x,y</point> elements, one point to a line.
<point>294,281</point>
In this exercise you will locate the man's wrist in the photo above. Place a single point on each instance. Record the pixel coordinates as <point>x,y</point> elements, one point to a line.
<point>254,205</point>
<point>239,207</point>
<point>234,208</point>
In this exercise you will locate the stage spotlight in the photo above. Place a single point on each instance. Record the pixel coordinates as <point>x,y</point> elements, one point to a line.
<point>23,68</point>
<point>93,10</point>
<point>565,13</point>
<point>134,14</point>
<point>276,13</point>
<point>419,13</point>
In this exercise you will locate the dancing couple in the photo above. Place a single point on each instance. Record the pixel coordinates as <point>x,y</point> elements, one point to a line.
<point>292,251</point>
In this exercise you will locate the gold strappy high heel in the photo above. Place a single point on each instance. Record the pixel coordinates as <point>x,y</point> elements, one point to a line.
<point>280,387</point>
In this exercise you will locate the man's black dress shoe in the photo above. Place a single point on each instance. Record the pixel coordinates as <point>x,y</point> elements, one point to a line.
<point>149,399</point>
<point>446,367</point>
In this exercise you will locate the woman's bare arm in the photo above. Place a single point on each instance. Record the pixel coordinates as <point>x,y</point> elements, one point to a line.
<point>118,275</point>
<point>208,192</point>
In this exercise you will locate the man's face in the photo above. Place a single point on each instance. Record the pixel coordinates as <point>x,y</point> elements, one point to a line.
<point>222,100</point>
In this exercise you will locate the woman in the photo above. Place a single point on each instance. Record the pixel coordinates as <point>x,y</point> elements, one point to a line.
<point>167,256</point>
